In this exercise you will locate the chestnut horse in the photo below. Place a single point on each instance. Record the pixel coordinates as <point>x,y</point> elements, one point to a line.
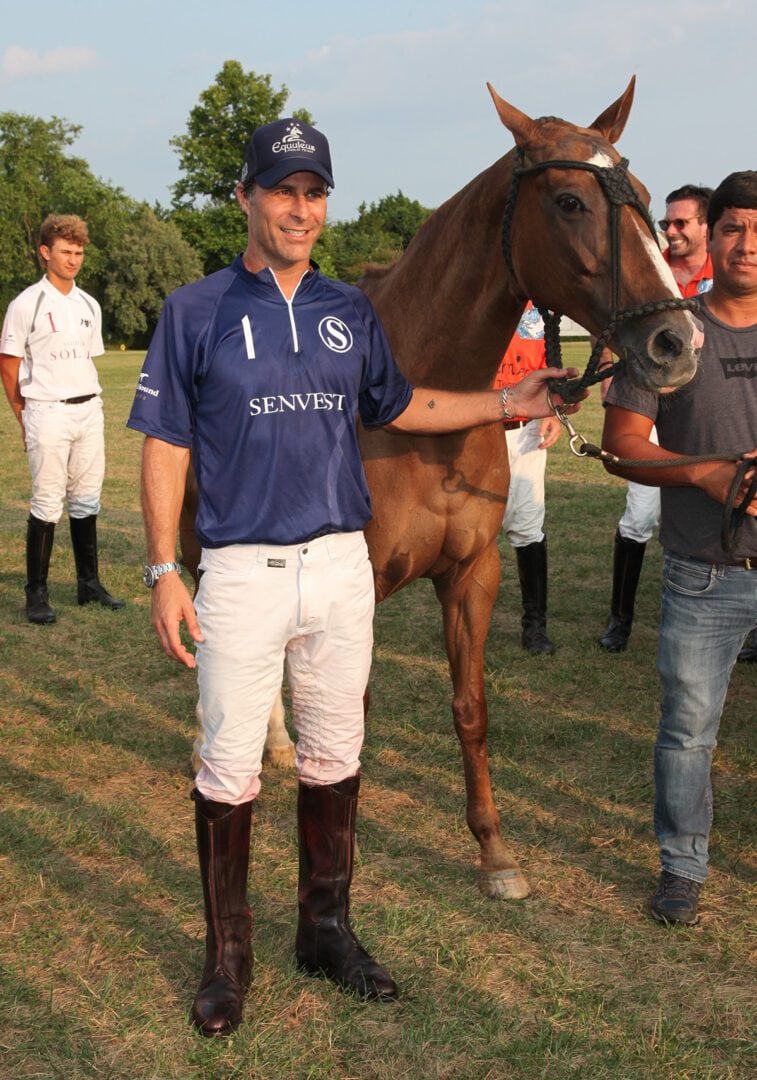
<point>449,306</point>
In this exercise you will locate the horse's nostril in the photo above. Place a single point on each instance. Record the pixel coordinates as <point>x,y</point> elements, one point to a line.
<point>669,343</point>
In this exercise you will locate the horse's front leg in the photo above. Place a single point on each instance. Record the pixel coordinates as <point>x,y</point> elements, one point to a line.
<point>467,604</point>
<point>279,748</point>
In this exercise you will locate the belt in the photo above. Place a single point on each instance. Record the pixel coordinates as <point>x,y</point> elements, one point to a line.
<point>511,425</point>
<point>743,564</point>
<point>749,563</point>
<point>77,400</point>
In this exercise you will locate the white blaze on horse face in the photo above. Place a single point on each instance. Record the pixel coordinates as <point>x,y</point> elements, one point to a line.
<point>668,281</point>
<point>601,160</point>
<point>662,268</point>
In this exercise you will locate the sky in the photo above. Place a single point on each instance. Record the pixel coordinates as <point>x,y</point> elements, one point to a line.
<point>399,87</point>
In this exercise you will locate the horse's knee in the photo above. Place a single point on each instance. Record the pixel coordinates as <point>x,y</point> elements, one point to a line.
<point>471,718</point>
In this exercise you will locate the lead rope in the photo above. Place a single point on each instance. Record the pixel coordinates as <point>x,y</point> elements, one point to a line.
<point>734,514</point>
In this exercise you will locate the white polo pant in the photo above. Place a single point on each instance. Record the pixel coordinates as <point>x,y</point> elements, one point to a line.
<point>65,448</point>
<point>524,516</point>
<point>642,513</point>
<point>309,608</point>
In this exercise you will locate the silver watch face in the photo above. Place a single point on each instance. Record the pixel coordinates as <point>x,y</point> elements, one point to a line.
<point>148,576</point>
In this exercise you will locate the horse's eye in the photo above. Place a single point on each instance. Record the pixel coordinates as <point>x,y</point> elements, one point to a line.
<point>570,204</point>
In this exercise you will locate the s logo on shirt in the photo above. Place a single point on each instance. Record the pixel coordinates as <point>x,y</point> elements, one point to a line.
<point>335,334</point>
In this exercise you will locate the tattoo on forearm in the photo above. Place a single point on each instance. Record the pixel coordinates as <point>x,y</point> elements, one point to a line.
<point>431,404</point>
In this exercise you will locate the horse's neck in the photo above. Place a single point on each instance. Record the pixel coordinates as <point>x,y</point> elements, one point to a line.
<point>446,304</point>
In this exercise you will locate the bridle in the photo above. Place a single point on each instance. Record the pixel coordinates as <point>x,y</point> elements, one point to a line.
<point>618,192</point>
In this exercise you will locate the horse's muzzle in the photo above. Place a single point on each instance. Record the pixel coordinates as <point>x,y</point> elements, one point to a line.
<point>669,355</point>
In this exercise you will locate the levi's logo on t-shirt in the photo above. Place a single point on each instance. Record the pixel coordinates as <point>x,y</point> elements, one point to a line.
<point>739,367</point>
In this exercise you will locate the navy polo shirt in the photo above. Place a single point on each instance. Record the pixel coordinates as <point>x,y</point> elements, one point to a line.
<point>267,392</point>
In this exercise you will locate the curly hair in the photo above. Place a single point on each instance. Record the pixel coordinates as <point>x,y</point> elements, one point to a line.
<point>64,226</point>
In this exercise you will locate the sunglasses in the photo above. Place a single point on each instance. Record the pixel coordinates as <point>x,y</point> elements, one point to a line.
<point>679,223</point>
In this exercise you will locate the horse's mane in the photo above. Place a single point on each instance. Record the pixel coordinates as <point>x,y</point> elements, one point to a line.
<point>376,271</point>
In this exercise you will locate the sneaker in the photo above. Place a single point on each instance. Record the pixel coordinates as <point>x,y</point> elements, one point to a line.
<point>676,899</point>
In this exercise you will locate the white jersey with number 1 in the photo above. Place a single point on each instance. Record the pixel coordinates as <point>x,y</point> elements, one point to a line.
<point>56,335</point>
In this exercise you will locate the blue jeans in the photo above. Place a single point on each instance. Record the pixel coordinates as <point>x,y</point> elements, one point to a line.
<point>707,611</point>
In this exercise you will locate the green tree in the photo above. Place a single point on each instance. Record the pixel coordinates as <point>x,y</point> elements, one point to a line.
<point>210,154</point>
<point>149,262</point>
<point>134,259</point>
<point>379,234</point>
<point>33,165</point>
<point>210,158</point>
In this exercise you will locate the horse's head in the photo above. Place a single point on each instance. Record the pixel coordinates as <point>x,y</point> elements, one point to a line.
<point>579,241</point>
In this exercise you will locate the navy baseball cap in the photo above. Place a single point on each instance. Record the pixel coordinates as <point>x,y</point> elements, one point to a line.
<point>284,147</point>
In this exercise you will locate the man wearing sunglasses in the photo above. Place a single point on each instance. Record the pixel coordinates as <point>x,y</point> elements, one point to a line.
<point>685,229</point>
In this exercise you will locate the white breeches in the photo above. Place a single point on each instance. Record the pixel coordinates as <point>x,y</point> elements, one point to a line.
<point>65,448</point>
<point>642,513</point>
<point>308,607</point>
<point>524,517</point>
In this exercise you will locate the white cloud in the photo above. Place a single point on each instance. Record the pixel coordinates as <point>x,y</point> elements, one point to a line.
<point>19,63</point>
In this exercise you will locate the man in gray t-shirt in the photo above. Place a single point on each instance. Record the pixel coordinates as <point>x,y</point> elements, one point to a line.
<point>709,595</point>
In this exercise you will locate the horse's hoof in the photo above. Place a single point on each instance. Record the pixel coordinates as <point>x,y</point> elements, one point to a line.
<point>280,757</point>
<point>503,884</point>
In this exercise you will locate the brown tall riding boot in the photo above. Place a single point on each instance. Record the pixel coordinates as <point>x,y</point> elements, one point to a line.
<point>223,846</point>
<point>325,943</point>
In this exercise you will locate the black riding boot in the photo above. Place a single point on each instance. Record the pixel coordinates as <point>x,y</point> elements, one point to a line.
<point>748,652</point>
<point>39,546</point>
<point>223,846</point>
<point>626,570</point>
<point>89,588</point>
<point>325,943</point>
<point>532,571</point>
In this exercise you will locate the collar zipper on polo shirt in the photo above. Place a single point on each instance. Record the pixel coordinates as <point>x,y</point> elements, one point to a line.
<point>289,303</point>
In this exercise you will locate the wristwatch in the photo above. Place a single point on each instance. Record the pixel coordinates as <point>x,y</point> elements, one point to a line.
<point>150,574</point>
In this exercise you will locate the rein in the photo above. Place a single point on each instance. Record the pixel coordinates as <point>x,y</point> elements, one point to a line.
<point>733,514</point>
<point>619,192</point>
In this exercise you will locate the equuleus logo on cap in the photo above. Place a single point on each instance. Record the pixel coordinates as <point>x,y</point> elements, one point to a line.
<point>293,141</point>
<point>286,146</point>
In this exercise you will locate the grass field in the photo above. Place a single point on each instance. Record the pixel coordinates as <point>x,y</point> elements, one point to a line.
<point>100,904</point>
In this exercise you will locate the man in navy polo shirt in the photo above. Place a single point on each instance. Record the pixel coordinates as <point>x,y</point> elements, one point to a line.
<point>263,370</point>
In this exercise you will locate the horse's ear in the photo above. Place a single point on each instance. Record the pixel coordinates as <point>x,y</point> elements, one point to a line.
<point>612,121</point>
<point>523,128</point>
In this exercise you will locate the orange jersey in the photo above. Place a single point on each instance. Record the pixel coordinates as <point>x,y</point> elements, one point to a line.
<point>526,351</point>
<point>702,280</point>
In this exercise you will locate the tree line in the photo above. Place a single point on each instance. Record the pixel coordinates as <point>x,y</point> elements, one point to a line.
<point>140,253</point>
